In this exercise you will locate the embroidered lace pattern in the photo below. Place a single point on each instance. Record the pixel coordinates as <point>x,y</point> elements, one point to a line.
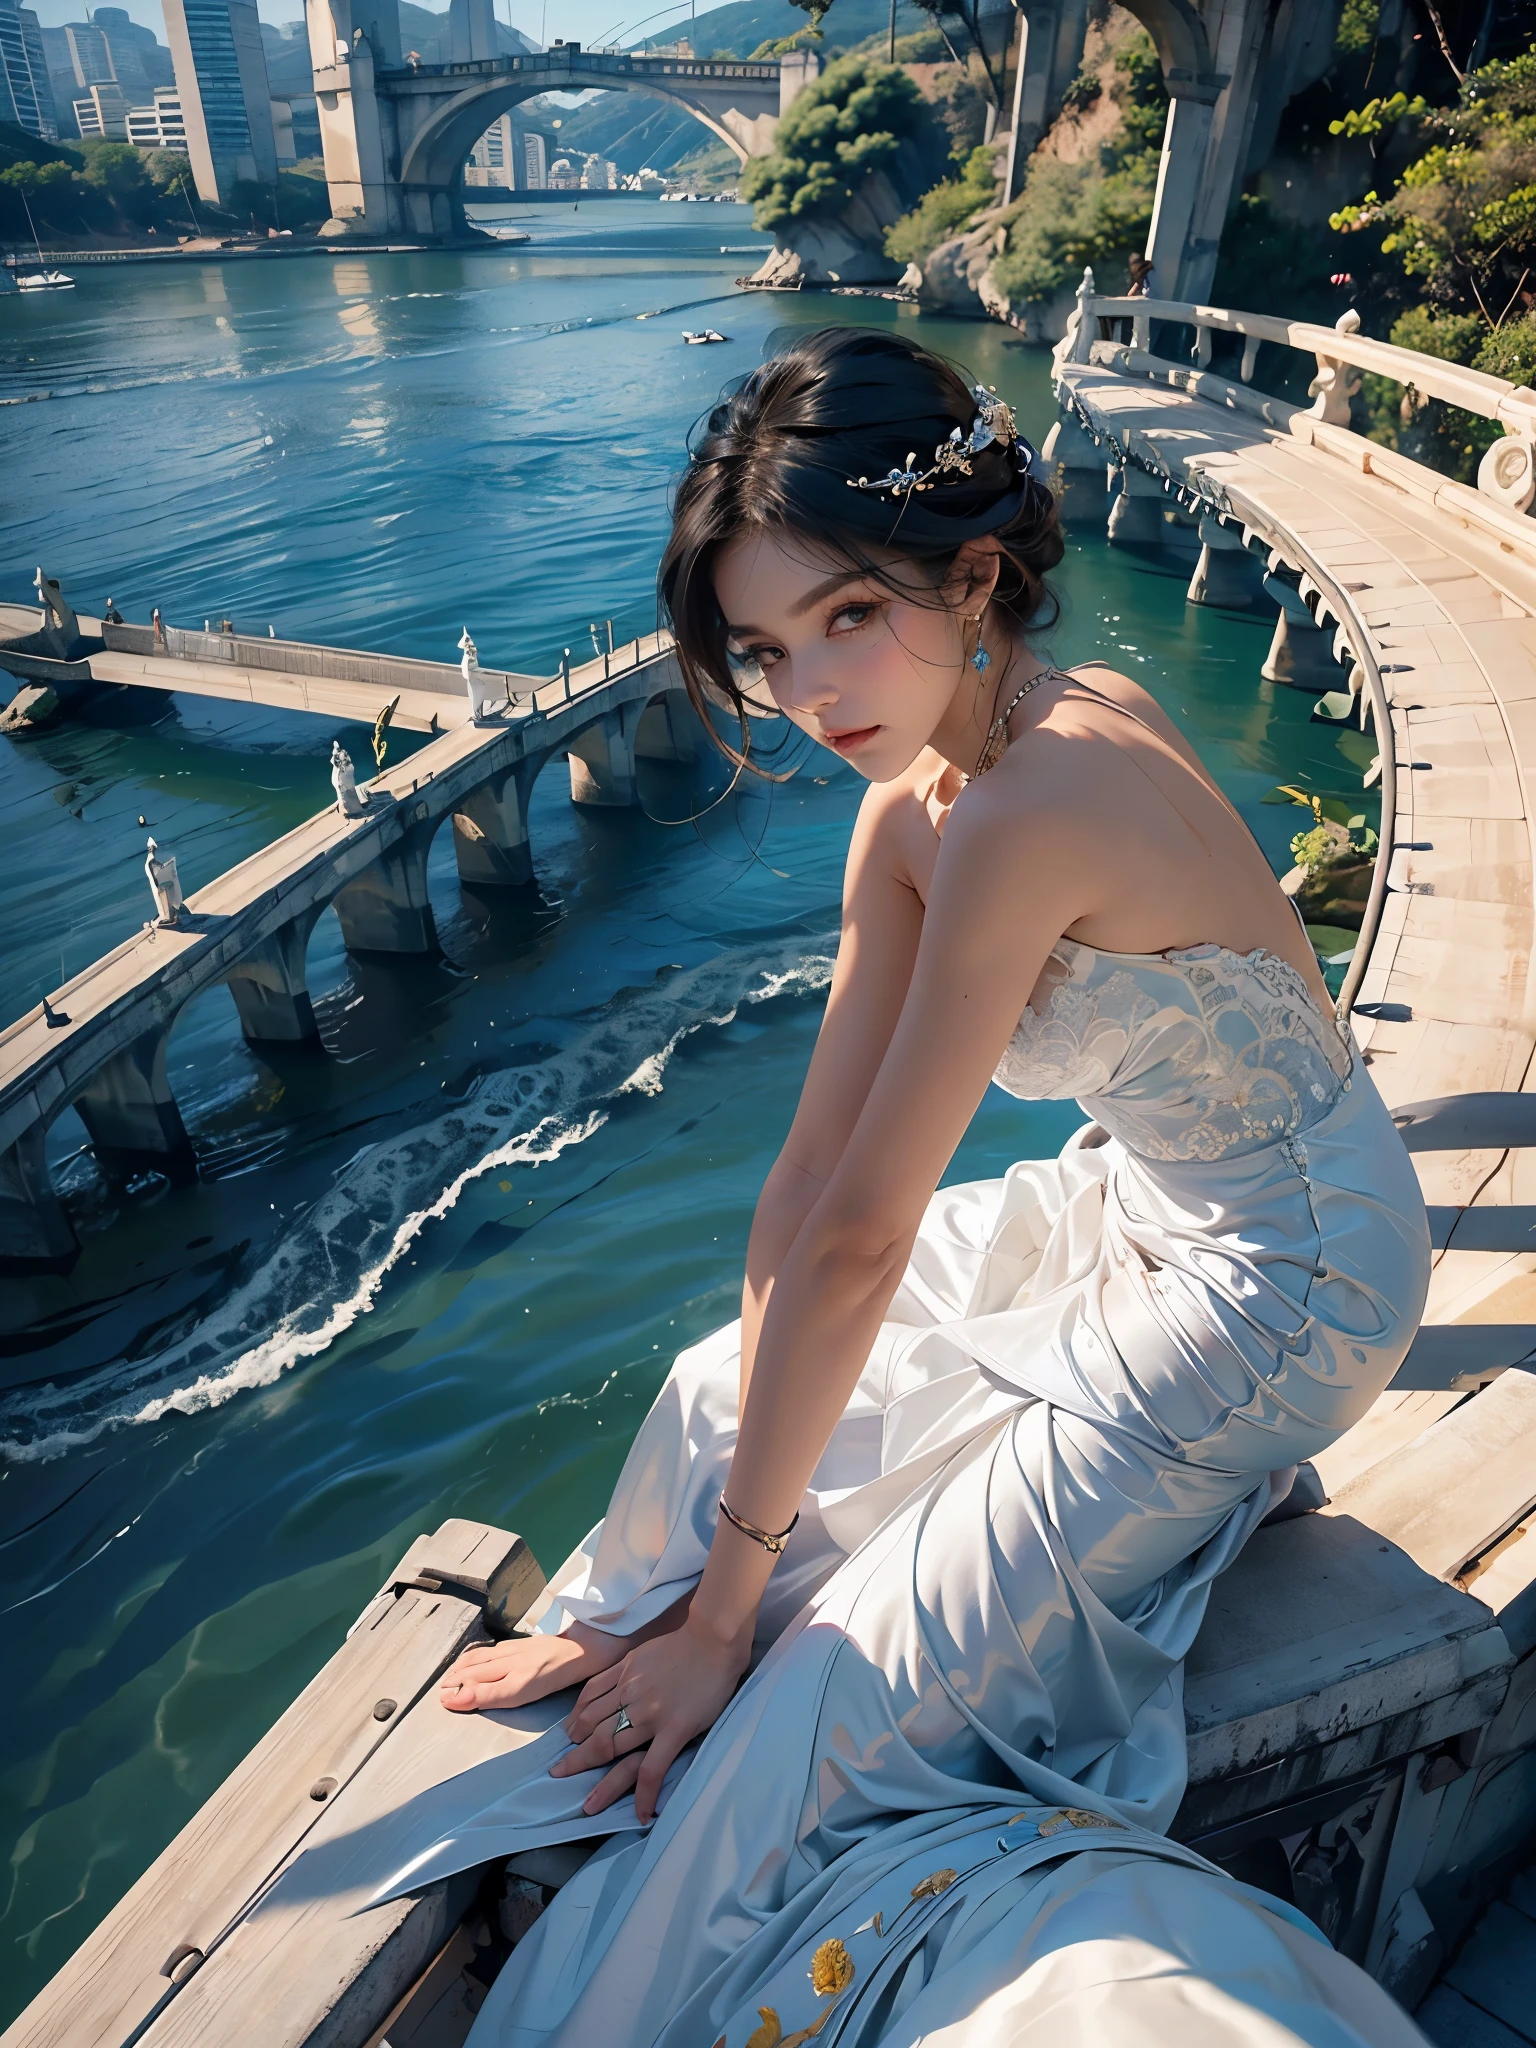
<point>1197,1054</point>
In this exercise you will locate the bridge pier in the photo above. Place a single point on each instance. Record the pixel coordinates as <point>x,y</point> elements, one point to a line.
<point>603,760</point>
<point>271,990</point>
<point>386,909</point>
<point>130,1114</point>
<point>1139,516</point>
<point>1226,574</point>
<point>1070,448</point>
<point>669,730</point>
<point>35,1233</point>
<point>1301,653</point>
<point>490,831</point>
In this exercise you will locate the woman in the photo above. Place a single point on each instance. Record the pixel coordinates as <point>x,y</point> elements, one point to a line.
<point>993,1443</point>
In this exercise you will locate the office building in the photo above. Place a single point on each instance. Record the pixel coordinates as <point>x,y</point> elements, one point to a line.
<point>493,160</point>
<point>226,103</point>
<point>535,165</point>
<point>159,125</point>
<point>26,97</point>
<point>109,49</point>
<point>103,112</point>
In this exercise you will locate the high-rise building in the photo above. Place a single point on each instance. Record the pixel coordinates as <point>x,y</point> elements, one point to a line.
<point>226,103</point>
<point>103,112</point>
<point>26,97</point>
<point>109,49</point>
<point>535,167</point>
<point>493,159</point>
<point>159,125</point>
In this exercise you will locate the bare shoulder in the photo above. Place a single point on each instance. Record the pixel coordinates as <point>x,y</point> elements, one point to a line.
<point>896,825</point>
<point>1141,704</point>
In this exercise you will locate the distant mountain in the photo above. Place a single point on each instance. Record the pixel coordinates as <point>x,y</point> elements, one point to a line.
<point>742,24</point>
<point>423,29</point>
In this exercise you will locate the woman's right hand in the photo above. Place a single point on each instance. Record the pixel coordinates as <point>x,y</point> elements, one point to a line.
<point>527,1668</point>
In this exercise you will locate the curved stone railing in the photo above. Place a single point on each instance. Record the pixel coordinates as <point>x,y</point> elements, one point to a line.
<point>1507,474</point>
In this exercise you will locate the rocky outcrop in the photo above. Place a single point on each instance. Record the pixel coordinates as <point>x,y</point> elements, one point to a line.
<point>845,248</point>
<point>958,281</point>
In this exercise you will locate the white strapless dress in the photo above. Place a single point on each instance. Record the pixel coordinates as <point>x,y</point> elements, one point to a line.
<point>936,1808</point>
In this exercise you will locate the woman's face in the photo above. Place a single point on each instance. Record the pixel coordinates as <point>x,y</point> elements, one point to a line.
<point>864,671</point>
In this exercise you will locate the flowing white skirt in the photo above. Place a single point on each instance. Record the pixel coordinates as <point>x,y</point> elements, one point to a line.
<point>1092,1385</point>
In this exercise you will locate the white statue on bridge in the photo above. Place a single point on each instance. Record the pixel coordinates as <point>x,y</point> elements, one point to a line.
<point>473,680</point>
<point>350,800</point>
<point>165,887</point>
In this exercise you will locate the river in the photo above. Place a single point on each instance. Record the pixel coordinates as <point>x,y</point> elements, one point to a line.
<point>442,1269</point>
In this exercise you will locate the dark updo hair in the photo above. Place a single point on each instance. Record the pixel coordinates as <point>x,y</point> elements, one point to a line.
<point>777,453</point>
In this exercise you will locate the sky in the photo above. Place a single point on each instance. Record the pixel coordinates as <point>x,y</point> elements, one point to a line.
<point>585,21</point>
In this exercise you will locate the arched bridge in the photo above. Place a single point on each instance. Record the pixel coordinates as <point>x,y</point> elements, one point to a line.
<point>396,134</point>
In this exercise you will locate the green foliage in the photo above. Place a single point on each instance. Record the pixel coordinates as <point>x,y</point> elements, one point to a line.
<point>859,117</point>
<point>1376,116</point>
<point>1510,352</point>
<point>782,46</point>
<point>945,210</point>
<point>1315,849</point>
<point>1359,22</point>
<point>1096,212</point>
<point>1462,221</point>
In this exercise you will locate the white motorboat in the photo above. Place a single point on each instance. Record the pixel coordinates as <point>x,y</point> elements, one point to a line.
<point>709,334</point>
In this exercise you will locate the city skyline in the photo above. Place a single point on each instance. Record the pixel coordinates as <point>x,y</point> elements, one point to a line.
<point>575,20</point>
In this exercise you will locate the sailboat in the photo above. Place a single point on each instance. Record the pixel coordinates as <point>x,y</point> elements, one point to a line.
<point>42,279</point>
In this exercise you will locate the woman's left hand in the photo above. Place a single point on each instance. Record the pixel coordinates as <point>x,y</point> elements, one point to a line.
<point>672,1689</point>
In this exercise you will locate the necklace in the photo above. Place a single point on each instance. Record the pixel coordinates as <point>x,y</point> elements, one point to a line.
<point>995,745</point>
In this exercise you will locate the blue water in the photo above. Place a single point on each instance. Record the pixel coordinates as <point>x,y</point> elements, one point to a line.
<point>441,1269</point>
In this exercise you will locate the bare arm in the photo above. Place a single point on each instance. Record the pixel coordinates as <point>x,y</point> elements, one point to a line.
<point>882,924</point>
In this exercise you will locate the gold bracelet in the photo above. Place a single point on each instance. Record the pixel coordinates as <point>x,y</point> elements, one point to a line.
<point>773,1544</point>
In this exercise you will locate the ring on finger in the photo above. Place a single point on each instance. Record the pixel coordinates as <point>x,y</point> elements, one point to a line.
<point>622,1722</point>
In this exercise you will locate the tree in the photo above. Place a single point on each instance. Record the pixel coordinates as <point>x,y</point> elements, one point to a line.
<point>857,119</point>
<point>1463,217</point>
<point>964,17</point>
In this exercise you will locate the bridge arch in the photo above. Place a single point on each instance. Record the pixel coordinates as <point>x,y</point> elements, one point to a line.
<point>436,153</point>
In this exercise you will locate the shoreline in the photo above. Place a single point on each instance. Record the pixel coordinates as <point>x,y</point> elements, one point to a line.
<point>258,252</point>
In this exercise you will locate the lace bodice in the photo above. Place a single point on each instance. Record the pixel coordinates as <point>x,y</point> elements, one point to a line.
<point>1200,1053</point>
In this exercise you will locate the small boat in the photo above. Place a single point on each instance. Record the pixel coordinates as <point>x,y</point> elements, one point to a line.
<point>709,334</point>
<point>42,279</point>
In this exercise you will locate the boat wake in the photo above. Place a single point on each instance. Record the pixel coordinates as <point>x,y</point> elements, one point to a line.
<point>328,1268</point>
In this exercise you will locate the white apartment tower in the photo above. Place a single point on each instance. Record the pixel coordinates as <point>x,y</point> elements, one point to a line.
<point>535,166</point>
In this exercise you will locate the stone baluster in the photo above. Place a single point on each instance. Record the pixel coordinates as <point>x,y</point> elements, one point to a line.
<point>1336,381</point>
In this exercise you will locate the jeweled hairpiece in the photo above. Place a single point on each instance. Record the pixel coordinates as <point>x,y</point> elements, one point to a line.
<point>994,423</point>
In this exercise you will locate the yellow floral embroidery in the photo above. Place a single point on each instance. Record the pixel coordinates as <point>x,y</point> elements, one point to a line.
<point>831,1970</point>
<point>770,2034</point>
<point>1076,1817</point>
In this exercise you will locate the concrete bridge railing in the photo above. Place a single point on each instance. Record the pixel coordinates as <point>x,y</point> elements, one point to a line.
<point>99,1043</point>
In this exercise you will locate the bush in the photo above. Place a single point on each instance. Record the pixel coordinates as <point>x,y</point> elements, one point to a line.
<point>1510,352</point>
<point>946,209</point>
<point>1096,212</point>
<point>858,118</point>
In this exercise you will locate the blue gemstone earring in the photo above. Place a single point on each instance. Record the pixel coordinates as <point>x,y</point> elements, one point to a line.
<point>980,660</point>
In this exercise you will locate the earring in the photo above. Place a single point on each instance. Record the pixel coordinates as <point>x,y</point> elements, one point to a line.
<point>980,660</point>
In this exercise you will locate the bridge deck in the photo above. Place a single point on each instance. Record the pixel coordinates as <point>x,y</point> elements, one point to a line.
<point>1425,588</point>
<point>285,675</point>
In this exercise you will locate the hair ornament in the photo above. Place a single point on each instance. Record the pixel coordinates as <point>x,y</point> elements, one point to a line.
<point>994,425</point>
